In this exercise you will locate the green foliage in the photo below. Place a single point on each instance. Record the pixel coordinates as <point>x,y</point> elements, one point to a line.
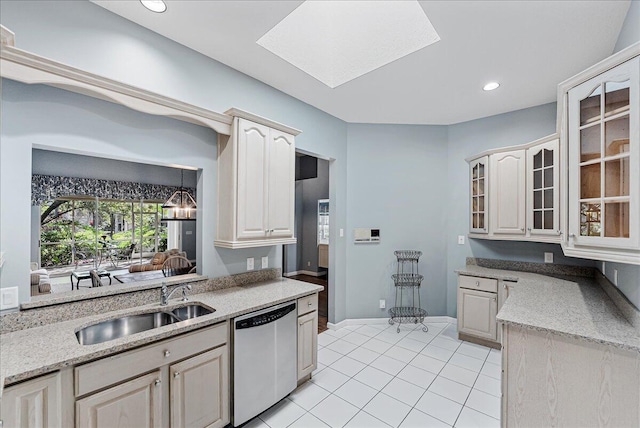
<point>118,225</point>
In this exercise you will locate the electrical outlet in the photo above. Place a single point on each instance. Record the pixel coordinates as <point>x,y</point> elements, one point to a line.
<point>308,264</point>
<point>342,233</point>
<point>250,263</point>
<point>604,265</point>
<point>383,303</point>
<point>8,298</point>
<point>265,262</point>
<point>548,257</point>
<point>615,277</point>
<point>460,239</point>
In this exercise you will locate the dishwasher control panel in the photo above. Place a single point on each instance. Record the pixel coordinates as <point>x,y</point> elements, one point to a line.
<point>267,318</point>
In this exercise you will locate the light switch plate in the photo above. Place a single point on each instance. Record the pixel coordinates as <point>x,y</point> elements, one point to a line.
<point>548,257</point>
<point>250,263</point>
<point>8,298</point>
<point>342,233</point>
<point>460,239</point>
<point>265,262</point>
<point>383,303</point>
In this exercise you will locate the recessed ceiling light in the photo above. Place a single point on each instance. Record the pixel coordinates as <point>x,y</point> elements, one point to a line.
<point>157,6</point>
<point>491,86</point>
<point>338,41</point>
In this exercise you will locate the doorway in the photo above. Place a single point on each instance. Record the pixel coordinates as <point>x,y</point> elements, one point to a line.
<point>308,260</point>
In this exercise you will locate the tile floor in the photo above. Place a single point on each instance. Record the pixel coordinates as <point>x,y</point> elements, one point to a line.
<point>370,376</point>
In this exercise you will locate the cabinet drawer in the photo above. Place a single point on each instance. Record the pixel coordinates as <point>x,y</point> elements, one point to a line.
<point>117,368</point>
<point>476,283</point>
<point>307,304</point>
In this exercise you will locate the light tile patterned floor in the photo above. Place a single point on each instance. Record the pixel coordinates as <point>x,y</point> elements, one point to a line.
<point>370,376</point>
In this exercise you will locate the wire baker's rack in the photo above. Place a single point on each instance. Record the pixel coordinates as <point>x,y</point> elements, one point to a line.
<point>407,283</point>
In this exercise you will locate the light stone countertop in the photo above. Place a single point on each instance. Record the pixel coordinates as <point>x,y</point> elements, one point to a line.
<point>571,306</point>
<point>32,352</point>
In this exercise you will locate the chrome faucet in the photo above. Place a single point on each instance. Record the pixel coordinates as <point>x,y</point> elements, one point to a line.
<point>165,295</point>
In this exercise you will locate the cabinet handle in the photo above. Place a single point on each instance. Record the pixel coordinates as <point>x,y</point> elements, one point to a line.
<point>167,353</point>
<point>477,283</point>
<point>310,303</point>
<point>157,382</point>
<point>176,374</point>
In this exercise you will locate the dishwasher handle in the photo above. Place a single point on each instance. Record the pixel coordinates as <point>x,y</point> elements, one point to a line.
<point>265,318</point>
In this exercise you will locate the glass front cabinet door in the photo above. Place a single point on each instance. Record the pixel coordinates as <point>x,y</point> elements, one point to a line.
<point>542,189</point>
<point>604,160</point>
<point>479,202</point>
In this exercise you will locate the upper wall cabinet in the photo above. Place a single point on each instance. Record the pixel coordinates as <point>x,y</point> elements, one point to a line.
<point>519,185</point>
<point>256,179</point>
<point>602,139</point>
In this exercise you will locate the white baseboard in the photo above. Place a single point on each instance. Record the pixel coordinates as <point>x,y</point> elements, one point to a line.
<point>357,321</point>
<point>304,272</point>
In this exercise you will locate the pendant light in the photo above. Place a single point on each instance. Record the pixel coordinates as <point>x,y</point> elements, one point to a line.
<point>180,206</point>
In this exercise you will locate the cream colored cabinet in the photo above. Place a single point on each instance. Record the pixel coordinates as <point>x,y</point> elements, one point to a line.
<point>323,256</point>
<point>136,403</point>
<point>36,403</point>
<point>199,389</point>
<point>256,179</point>
<point>479,184</point>
<point>601,136</point>
<point>508,192</point>
<point>477,312</point>
<point>522,200</point>
<point>184,380</point>
<point>307,336</point>
<point>543,190</point>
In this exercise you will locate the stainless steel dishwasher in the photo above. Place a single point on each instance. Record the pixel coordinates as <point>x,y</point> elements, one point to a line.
<point>264,359</point>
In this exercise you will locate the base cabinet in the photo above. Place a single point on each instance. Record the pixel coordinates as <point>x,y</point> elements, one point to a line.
<point>136,403</point>
<point>477,313</point>
<point>307,336</point>
<point>34,403</point>
<point>199,390</point>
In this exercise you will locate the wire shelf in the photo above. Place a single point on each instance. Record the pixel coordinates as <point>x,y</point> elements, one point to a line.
<point>407,315</point>
<point>407,255</point>
<point>407,279</point>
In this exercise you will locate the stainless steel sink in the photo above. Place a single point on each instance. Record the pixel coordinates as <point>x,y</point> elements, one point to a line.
<point>124,326</point>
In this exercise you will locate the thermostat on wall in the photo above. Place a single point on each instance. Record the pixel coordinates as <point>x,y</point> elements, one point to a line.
<point>362,236</point>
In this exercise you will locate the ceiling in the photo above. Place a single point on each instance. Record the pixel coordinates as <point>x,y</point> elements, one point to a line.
<point>527,46</point>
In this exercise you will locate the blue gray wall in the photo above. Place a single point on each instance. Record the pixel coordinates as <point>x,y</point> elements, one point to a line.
<point>397,182</point>
<point>312,190</point>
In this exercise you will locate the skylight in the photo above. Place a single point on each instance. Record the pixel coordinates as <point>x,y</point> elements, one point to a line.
<point>337,41</point>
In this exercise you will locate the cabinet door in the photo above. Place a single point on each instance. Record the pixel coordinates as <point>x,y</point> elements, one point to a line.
<point>200,390</point>
<point>135,403</point>
<point>307,344</point>
<point>477,312</point>
<point>281,182</point>
<point>35,403</point>
<point>543,188</point>
<point>253,186</point>
<point>508,192</point>
<point>604,154</point>
<point>479,184</point>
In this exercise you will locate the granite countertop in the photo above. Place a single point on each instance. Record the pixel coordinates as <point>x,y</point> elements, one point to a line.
<point>32,352</point>
<point>572,306</point>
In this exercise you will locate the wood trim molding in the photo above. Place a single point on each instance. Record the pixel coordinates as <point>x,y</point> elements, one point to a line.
<point>25,67</point>
<point>7,37</point>
<point>236,112</point>
<point>511,148</point>
<point>253,243</point>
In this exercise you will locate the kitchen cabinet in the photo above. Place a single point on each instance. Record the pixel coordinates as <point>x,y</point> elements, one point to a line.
<point>199,390</point>
<point>307,336</point>
<point>479,301</point>
<point>256,179</point>
<point>184,380</point>
<point>479,184</point>
<point>521,199</point>
<point>508,192</point>
<point>36,403</point>
<point>600,115</point>
<point>543,190</point>
<point>136,403</point>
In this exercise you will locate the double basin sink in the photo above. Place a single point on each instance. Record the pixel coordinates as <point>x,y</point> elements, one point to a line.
<point>125,326</point>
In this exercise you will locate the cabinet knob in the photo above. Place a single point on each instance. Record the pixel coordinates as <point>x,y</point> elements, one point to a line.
<point>529,229</point>
<point>300,324</point>
<point>477,283</point>
<point>157,382</point>
<point>310,303</point>
<point>522,229</point>
<point>494,299</point>
<point>176,374</point>
<point>167,353</point>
